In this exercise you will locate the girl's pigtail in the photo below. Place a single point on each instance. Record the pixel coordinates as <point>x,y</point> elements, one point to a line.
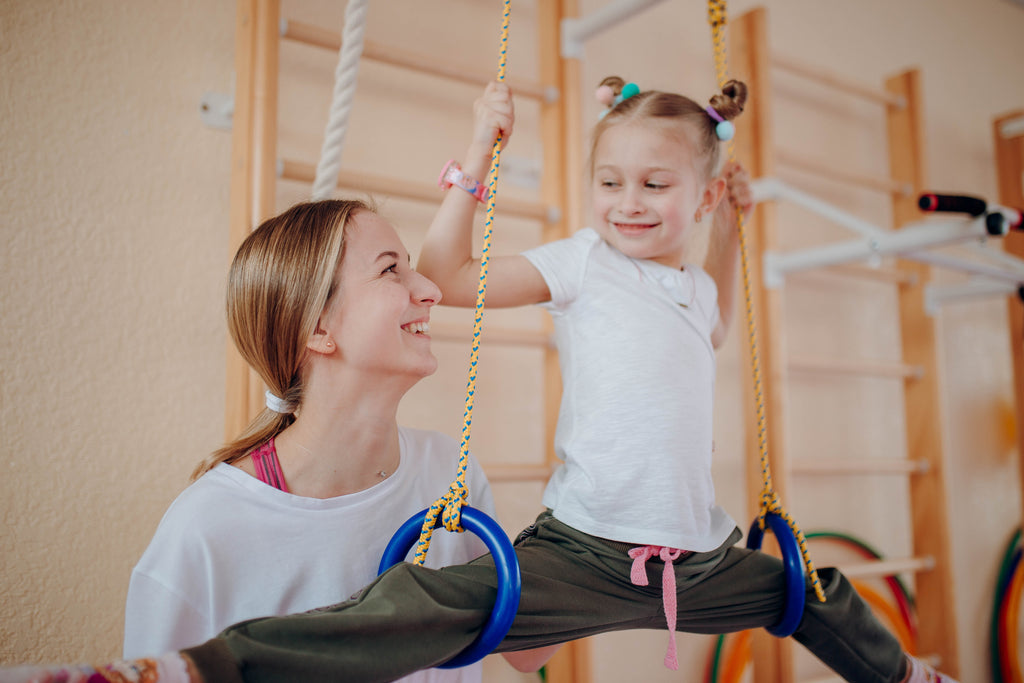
<point>729,103</point>
<point>726,106</point>
<point>612,91</point>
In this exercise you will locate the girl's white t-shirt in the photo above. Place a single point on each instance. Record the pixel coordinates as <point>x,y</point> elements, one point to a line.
<point>638,378</point>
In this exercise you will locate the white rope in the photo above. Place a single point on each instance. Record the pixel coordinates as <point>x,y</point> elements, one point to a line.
<point>341,105</point>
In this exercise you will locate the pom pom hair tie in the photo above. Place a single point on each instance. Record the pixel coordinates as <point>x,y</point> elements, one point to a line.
<point>606,96</point>
<point>723,129</point>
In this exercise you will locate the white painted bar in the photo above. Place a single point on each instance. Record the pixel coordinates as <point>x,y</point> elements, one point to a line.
<point>906,241</point>
<point>768,188</point>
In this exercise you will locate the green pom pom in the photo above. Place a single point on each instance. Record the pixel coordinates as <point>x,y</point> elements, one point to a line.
<point>629,90</point>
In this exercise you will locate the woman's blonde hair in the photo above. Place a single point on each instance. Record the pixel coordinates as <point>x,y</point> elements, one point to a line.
<point>657,106</point>
<point>281,280</point>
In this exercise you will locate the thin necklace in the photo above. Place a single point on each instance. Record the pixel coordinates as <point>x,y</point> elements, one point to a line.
<point>383,474</point>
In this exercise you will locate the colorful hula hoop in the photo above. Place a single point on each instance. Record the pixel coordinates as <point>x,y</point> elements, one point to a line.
<point>1003,653</point>
<point>505,562</point>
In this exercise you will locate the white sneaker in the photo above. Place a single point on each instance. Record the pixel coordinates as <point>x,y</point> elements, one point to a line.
<point>923,673</point>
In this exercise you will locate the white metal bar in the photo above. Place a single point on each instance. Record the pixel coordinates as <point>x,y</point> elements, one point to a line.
<point>774,189</point>
<point>906,241</point>
<point>577,30</point>
<point>910,242</point>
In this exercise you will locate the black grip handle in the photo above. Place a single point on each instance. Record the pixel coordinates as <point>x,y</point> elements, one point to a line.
<point>952,203</point>
<point>1004,220</point>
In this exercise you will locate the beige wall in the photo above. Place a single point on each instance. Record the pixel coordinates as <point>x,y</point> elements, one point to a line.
<point>115,251</point>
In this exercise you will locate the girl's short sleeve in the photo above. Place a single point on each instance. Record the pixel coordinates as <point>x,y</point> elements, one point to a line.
<point>562,264</point>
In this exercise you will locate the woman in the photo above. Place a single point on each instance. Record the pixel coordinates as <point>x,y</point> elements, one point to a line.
<point>295,513</point>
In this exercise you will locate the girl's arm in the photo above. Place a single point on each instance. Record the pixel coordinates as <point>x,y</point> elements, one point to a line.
<point>723,257</point>
<point>447,253</point>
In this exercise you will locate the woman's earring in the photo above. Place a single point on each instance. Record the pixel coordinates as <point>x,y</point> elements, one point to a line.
<point>329,344</point>
<point>698,216</point>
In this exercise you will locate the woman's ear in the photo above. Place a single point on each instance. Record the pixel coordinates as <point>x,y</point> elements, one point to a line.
<point>320,341</point>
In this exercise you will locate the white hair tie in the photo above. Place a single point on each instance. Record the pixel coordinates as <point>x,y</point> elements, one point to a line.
<point>277,404</point>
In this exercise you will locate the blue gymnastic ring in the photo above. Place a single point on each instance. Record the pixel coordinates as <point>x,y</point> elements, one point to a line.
<point>505,563</point>
<point>796,575</point>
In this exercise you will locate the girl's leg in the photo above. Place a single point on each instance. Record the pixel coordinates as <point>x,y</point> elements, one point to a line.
<point>746,591</point>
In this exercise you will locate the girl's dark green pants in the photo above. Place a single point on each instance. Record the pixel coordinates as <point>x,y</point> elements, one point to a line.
<point>574,585</point>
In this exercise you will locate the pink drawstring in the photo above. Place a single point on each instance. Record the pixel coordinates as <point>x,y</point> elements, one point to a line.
<point>638,575</point>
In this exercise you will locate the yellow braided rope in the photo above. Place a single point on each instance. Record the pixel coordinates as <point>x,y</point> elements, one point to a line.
<point>451,503</point>
<point>769,499</point>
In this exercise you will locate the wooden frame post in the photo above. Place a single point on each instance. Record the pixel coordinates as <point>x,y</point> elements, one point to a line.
<point>561,186</point>
<point>748,47</point>
<point>1010,176</point>
<point>253,173</point>
<point>922,395</point>
<point>240,214</point>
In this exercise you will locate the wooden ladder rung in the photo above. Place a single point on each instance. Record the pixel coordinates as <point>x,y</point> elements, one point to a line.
<point>885,274</point>
<point>495,335</point>
<point>512,472</point>
<point>427,192</point>
<point>838,82</point>
<point>309,34</point>
<point>898,466</point>
<point>799,162</point>
<point>856,367</point>
<point>880,568</point>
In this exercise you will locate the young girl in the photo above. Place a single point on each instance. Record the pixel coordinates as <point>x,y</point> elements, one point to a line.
<point>632,508</point>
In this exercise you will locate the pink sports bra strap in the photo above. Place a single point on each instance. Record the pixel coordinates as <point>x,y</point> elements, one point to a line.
<point>268,467</point>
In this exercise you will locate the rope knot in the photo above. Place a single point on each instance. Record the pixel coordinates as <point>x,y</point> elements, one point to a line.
<point>454,500</point>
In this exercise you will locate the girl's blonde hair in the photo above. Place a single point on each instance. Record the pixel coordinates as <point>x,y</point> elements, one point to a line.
<point>281,280</point>
<point>654,105</point>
